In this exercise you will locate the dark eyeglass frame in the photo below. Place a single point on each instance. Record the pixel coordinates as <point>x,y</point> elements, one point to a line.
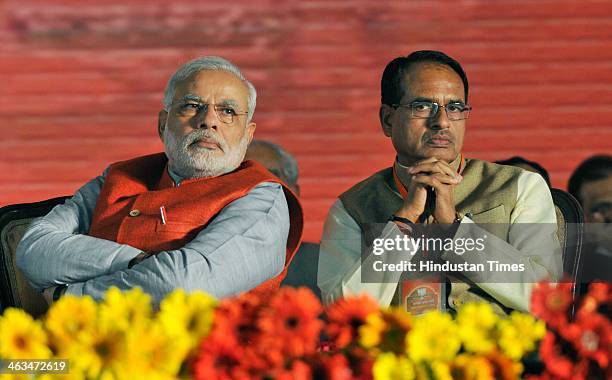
<point>435,107</point>
<point>203,107</point>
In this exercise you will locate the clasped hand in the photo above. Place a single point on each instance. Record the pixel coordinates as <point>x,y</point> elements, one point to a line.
<point>435,174</point>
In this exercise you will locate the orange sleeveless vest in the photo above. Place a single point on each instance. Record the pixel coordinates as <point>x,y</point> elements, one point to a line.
<point>128,207</point>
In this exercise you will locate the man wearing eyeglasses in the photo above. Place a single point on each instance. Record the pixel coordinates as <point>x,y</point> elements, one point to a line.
<point>424,112</point>
<point>195,217</point>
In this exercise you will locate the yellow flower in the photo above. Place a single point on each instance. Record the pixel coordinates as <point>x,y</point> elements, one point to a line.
<point>105,356</point>
<point>158,352</point>
<point>69,322</point>
<point>370,333</point>
<point>388,366</point>
<point>519,333</point>
<point>471,367</point>
<point>190,315</point>
<point>126,309</point>
<point>441,371</point>
<point>386,331</point>
<point>433,338</point>
<point>21,337</point>
<point>476,323</point>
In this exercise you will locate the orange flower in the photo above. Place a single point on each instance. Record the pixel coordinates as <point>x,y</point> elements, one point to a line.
<point>592,338</point>
<point>298,370</point>
<point>334,367</point>
<point>236,321</point>
<point>559,358</point>
<point>218,359</point>
<point>598,299</point>
<point>291,323</point>
<point>503,367</point>
<point>471,367</point>
<point>551,302</point>
<point>346,317</point>
<point>236,318</point>
<point>360,363</point>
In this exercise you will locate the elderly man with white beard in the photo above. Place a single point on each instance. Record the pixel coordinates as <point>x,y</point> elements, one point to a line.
<point>195,217</point>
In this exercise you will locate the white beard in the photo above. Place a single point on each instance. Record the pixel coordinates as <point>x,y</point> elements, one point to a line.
<point>192,161</point>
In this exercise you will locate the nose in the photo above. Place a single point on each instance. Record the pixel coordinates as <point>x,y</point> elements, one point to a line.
<point>207,119</point>
<point>439,120</point>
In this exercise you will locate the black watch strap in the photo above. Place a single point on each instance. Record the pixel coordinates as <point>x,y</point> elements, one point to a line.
<point>395,218</point>
<point>58,292</point>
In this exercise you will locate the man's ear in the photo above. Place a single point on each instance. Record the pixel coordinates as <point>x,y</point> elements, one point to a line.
<point>385,113</point>
<point>162,118</point>
<point>250,129</point>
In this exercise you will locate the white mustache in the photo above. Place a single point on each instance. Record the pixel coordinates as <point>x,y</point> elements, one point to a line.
<point>204,134</point>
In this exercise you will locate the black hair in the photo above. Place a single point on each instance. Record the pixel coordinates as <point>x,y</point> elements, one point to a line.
<point>513,161</point>
<point>592,169</point>
<point>391,84</point>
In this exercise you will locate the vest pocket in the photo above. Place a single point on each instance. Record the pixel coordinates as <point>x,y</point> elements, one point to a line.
<point>494,215</point>
<point>175,227</point>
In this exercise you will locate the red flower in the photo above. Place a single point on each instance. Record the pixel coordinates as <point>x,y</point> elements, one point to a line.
<point>298,371</point>
<point>551,302</point>
<point>559,358</point>
<point>593,339</point>
<point>345,318</point>
<point>290,323</point>
<point>360,363</point>
<point>218,359</point>
<point>236,322</point>
<point>334,367</point>
<point>236,318</point>
<point>598,297</point>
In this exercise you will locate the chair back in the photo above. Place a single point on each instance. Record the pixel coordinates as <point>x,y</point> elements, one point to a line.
<point>15,290</point>
<point>570,226</point>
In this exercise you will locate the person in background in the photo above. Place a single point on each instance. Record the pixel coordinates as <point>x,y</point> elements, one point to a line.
<point>194,217</point>
<point>591,185</point>
<point>303,268</point>
<point>523,163</point>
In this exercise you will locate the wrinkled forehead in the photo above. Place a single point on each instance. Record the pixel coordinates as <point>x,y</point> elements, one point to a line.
<point>213,86</point>
<point>429,78</point>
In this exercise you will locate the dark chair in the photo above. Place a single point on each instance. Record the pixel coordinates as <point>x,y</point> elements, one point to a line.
<point>303,269</point>
<point>15,291</point>
<point>570,221</point>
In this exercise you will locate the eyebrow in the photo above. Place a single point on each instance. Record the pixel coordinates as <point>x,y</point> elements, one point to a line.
<point>229,102</point>
<point>423,99</point>
<point>196,98</point>
<point>193,97</point>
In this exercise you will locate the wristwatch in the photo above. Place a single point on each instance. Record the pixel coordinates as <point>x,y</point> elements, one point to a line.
<point>59,291</point>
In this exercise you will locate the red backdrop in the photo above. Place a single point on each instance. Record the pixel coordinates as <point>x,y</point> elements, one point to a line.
<point>82,82</point>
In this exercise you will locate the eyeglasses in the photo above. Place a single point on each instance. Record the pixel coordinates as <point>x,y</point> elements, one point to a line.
<point>425,110</point>
<point>225,113</point>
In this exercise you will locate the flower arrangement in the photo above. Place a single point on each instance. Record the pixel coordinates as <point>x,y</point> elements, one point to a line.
<point>279,337</point>
<point>120,338</point>
<point>578,347</point>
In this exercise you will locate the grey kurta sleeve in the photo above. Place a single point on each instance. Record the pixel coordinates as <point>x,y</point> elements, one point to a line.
<point>243,246</point>
<point>55,250</point>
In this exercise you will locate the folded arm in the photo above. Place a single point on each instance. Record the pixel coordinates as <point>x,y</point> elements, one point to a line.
<point>55,250</point>
<point>241,248</point>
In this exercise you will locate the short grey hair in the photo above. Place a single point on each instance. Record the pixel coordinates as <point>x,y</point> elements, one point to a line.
<point>208,63</point>
<point>288,163</point>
